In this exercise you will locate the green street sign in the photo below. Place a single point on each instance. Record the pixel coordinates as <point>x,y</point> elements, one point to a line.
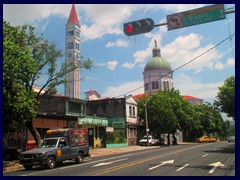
<point>196,16</point>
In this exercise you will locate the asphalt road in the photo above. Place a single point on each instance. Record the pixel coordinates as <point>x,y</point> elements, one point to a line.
<point>210,159</point>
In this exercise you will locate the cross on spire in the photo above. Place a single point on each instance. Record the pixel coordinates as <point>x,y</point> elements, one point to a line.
<point>155,41</point>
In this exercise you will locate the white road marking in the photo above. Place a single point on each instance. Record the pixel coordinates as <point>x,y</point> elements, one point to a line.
<point>107,163</point>
<point>181,168</point>
<point>215,165</point>
<point>162,163</point>
<point>204,155</point>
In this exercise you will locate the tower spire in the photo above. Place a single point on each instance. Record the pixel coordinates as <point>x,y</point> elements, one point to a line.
<point>73,18</point>
<point>72,87</point>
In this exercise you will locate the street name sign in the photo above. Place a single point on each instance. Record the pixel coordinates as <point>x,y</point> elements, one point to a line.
<point>196,16</point>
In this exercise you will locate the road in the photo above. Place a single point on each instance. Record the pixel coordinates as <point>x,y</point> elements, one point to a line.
<point>210,159</point>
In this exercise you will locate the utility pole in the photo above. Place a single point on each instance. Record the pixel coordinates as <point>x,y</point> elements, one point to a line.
<point>146,117</point>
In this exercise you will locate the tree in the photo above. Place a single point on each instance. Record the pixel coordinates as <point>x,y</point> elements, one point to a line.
<point>210,119</point>
<point>226,97</point>
<point>26,58</point>
<point>167,112</point>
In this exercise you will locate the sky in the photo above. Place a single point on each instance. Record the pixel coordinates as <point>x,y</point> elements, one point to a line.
<point>119,60</point>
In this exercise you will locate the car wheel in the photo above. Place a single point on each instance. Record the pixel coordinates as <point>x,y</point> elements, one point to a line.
<point>51,162</point>
<point>27,167</point>
<point>79,158</point>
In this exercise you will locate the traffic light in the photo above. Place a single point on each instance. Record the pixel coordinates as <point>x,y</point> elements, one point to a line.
<point>138,27</point>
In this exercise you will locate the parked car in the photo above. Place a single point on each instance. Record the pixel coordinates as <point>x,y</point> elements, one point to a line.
<point>231,139</point>
<point>148,140</point>
<point>206,139</point>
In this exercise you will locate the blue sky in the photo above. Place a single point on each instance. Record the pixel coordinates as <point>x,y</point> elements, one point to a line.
<point>119,60</point>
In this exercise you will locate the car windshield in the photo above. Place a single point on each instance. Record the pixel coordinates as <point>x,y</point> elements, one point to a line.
<point>48,143</point>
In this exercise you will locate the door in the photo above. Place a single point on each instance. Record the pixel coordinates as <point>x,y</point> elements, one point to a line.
<point>63,152</point>
<point>90,137</point>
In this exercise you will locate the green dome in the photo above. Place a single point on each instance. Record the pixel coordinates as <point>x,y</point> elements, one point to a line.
<point>157,62</point>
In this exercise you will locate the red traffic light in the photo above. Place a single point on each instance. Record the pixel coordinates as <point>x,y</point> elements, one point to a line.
<point>129,28</point>
<point>138,27</point>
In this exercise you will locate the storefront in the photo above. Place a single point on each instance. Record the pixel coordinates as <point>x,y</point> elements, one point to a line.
<point>96,130</point>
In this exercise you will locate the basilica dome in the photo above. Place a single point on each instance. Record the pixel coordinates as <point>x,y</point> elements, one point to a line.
<point>157,62</point>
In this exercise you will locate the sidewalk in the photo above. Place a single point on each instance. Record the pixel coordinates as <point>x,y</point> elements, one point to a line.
<point>13,165</point>
<point>109,151</point>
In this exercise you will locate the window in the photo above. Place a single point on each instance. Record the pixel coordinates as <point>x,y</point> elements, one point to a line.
<point>77,46</point>
<point>70,45</point>
<point>70,33</point>
<point>157,85</point>
<point>130,110</point>
<point>77,33</point>
<point>153,85</point>
<point>146,87</point>
<point>165,85</point>
<point>75,108</point>
<point>133,111</point>
<point>70,55</point>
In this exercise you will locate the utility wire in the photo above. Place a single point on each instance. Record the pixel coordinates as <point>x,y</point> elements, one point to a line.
<point>229,37</point>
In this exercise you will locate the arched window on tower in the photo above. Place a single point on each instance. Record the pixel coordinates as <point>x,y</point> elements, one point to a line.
<point>153,85</point>
<point>166,85</point>
<point>146,87</point>
<point>157,85</point>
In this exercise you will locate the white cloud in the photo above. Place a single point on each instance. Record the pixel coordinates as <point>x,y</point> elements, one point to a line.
<point>219,66</point>
<point>186,48</point>
<point>230,62</point>
<point>188,86</point>
<point>118,43</point>
<point>128,65</point>
<point>124,89</point>
<point>19,14</point>
<point>101,64</point>
<point>112,65</point>
<point>96,19</point>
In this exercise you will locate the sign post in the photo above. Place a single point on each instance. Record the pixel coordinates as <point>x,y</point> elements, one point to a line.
<point>196,16</point>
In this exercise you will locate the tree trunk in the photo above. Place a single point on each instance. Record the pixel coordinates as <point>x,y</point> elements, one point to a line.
<point>174,138</point>
<point>34,132</point>
<point>168,141</point>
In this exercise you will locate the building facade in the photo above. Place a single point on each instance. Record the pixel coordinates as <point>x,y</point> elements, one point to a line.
<point>72,87</point>
<point>122,116</point>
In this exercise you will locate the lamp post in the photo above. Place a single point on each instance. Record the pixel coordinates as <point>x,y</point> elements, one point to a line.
<point>147,129</point>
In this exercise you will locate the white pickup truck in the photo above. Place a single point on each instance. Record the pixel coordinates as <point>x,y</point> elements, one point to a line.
<point>148,140</point>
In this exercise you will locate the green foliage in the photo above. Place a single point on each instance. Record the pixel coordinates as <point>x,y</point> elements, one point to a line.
<point>27,58</point>
<point>168,111</point>
<point>226,97</point>
<point>19,104</point>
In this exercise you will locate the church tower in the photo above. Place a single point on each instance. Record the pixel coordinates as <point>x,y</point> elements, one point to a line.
<point>157,73</point>
<point>72,87</point>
